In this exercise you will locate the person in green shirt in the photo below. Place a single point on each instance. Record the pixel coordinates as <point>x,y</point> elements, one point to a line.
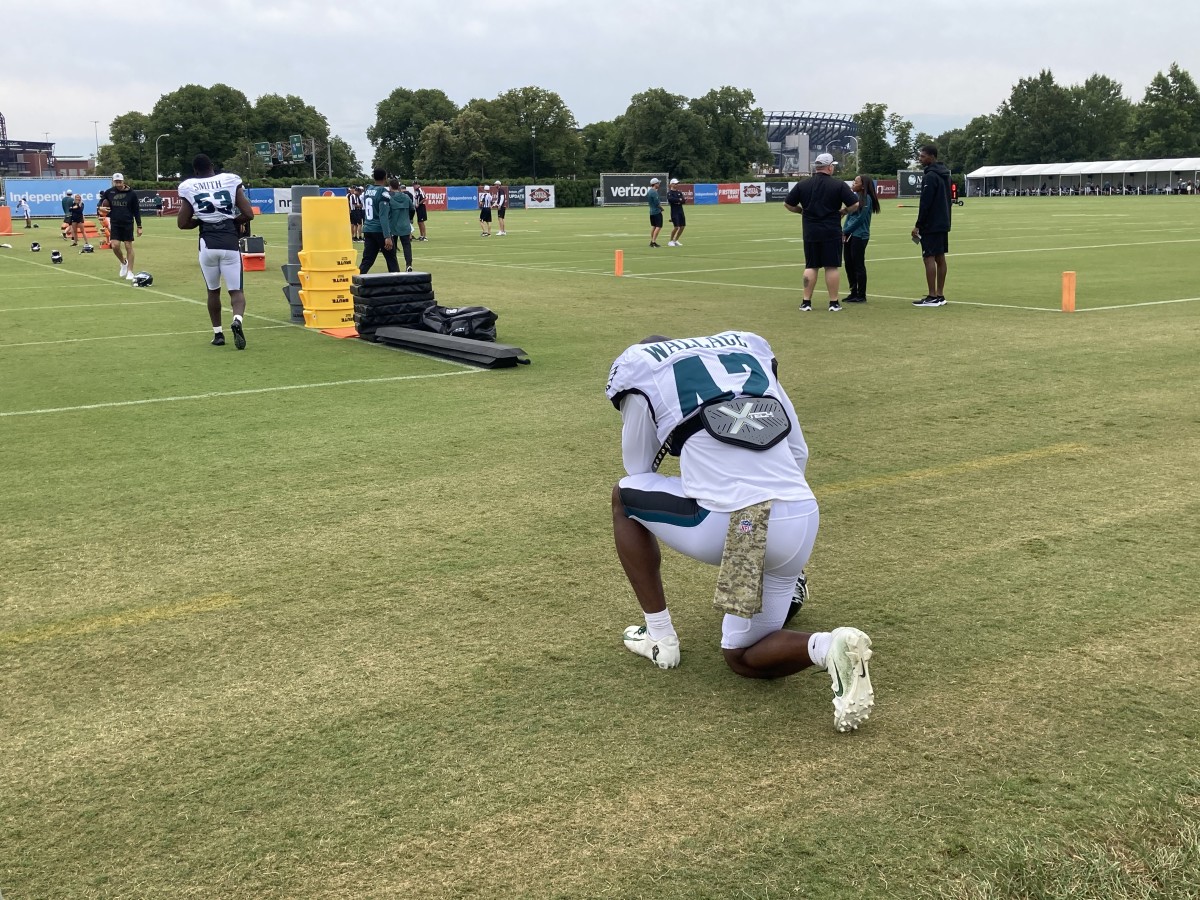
<point>68,201</point>
<point>402,213</point>
<point>377,225</point>
<point>656,220</point>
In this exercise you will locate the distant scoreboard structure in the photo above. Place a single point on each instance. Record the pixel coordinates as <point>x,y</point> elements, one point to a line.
<point>23,157</point>
<point>796,137</point>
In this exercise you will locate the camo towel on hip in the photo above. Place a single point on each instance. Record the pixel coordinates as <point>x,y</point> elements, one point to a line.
<point>739,586</point>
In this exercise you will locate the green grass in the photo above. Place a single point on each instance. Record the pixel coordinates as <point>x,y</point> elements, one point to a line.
<point>362,639</point>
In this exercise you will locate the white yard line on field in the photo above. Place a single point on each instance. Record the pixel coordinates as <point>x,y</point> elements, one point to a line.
<point>124,337</point>
<point>211,395</point>
<point>83,306</point>
<point>249,315</point>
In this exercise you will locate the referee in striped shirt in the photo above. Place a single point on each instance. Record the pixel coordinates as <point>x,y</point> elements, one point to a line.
<point>485,211</point>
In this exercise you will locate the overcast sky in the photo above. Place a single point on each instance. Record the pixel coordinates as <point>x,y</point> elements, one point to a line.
<point>938,63</point>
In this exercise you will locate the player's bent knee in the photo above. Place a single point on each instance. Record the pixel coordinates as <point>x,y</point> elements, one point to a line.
<point>733,659</point>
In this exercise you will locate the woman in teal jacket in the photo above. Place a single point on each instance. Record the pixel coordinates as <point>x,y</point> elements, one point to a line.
<point>856,232</point>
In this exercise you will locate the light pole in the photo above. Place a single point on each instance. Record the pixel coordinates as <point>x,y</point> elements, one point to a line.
<point>158,174</point>
<point>533,145</point>
<point>96,131</point>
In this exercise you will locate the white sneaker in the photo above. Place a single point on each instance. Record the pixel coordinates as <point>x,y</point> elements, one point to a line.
<point>679,243</point>
<point>124,270</point>
<point>671,244</point>
<point>846,664</point>
<point>664,653</point>
<point>130,276</point>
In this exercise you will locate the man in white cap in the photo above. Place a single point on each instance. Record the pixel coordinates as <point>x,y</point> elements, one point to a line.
<point>822,200</point>
<point>501,204</point>
<point>655,211</point>
<point>678,220</point>
<point>120,204</point>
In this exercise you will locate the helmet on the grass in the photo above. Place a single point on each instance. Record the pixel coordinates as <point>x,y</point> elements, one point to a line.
<point>55,257</point>
<point>143,279</point>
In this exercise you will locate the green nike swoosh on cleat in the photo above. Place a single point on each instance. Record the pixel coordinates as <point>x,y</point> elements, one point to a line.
<point>837,691</point>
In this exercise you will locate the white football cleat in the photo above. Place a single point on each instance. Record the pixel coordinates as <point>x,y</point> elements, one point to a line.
<point>846,663</point>
<point>124,270</point>
<point>129,276</point>
<point>663,653</point>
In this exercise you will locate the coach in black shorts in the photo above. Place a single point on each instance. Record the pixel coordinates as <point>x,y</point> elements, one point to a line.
<point>120,204</point>
<point>822,200</point>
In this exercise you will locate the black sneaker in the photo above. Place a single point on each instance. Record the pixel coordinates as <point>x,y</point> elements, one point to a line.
<point>941,301</point>
<point>854,299</point>
<point>805,306</point>
<point>239,339</point>
<point>798,598</point>
<point>408,269</point>
<point>218,340</point>
<point>834,306</point>
<point>927,300</point>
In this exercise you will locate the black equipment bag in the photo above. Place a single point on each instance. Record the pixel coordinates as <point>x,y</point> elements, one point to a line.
<point>475,322</point>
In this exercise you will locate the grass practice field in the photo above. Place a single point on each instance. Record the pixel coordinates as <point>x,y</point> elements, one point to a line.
<point>322,619</point>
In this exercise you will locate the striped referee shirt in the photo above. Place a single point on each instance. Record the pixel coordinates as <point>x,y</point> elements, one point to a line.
<point>485,199</point>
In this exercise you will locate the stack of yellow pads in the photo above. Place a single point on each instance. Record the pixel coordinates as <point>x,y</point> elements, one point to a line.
<point>327,263</point>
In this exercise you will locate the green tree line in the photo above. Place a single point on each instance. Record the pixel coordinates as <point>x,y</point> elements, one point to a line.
<point>525,133</point>
<point>1045,122</point>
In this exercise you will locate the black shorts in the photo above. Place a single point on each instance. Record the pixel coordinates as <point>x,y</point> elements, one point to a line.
<point>118,232</point>
<point>656,220</point>
<point>500,212</point>
<point>485,215</point>
<point>826,254</point>
<point>357,216</point>
<point>422,213</point>
<point>77,218</point>
<point>677,217</point>
<point>935,243</point>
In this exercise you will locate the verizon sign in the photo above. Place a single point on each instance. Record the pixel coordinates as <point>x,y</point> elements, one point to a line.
<point>630,189</point>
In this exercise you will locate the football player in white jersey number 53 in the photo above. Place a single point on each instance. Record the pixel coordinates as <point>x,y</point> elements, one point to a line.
<point>741,501</point>
<point>217,205</point>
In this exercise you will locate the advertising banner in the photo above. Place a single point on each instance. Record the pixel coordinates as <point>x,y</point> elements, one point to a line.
<point>539,196</point>
<point>754,192</point>
<point>777,191</point>
<point>629,189</point>
<point>704,194</point>
<point>886,188</point>
<point>170,203</point>
<point>459,198</point>
<point>435,197</point>
<point>516,196</point>
<point>283,200</point>
<point>263,198</point>
<point>45,194</point>
<point>688,191</point>
<point>149,203</point>
<point>729,193</point>
<point>909,183</point>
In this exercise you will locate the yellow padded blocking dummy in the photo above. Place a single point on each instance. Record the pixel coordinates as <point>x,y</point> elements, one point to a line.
<point>325,223</point>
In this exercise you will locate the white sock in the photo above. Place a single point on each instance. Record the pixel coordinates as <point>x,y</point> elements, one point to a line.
<point>238,319</point>
<point>818,647</point>
<point>216,329</point>
<point>659,625</point>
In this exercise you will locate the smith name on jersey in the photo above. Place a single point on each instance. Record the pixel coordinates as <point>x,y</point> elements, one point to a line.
<point>214,203</point>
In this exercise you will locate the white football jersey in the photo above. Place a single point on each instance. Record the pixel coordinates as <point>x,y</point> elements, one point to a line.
<point>213,198</point>
<point>657,386</point>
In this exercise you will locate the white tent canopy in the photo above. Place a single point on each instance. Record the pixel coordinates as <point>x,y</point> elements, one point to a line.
<point>1145,173</point>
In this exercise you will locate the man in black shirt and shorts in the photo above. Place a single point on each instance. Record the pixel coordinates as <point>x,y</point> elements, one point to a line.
<point>120,204</point>
<point>822,200</point>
